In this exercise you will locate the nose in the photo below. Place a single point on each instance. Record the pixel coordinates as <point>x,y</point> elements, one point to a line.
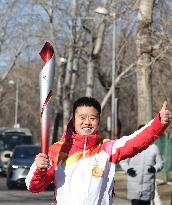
<point>87,121</point>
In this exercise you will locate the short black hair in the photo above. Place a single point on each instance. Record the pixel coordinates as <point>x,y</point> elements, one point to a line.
<point>87,101</point>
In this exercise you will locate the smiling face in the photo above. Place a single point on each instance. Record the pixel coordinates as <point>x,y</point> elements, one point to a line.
<point>86,120</point>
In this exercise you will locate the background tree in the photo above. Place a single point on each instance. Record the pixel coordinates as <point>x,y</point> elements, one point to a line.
<point>144,50</point>
<point>74,29</point>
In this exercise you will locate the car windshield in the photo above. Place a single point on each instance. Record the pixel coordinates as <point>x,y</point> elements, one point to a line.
<point>8,142</point>
<point>26,152</point>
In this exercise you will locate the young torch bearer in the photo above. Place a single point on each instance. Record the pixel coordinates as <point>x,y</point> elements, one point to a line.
<point>46,85</point>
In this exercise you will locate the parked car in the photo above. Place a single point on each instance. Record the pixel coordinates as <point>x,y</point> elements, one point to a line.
<point>9,138</point>
<point>19,165</point>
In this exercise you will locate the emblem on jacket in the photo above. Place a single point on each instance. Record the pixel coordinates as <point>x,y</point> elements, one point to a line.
<point>97,171</point>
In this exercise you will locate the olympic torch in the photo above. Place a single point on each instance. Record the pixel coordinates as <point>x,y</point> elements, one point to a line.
<point>46,86</point>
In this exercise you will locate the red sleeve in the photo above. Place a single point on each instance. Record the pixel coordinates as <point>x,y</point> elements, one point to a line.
<point>39,180</point>
<point>129,146</point>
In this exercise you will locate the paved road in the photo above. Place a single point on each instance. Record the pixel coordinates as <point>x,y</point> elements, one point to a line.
<point>22,196</point>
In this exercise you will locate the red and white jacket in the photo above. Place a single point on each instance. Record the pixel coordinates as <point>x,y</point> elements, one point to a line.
<point>83,168</point>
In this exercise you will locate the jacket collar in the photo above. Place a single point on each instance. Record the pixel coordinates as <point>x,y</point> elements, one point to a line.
<point>89,140</point>
<point>77,140</point>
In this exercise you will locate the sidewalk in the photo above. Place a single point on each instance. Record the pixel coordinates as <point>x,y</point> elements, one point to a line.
<point>164,190</point>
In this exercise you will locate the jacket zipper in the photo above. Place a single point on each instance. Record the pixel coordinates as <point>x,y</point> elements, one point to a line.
<point>85,144</point>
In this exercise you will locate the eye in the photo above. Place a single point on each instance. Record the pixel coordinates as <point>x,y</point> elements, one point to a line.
<point>92,118</point>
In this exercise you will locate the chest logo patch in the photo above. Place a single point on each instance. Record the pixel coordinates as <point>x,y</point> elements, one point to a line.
<point>97,171</point>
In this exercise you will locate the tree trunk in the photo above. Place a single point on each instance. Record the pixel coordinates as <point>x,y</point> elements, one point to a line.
<point>96,49</point>
<point>144,48</point>
<point>69,66</point>
<point>74,77</point>
<point>76,65</point>
<point>66,88</point>
<point>90,78</point>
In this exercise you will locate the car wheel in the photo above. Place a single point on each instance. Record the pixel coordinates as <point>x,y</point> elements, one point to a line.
<point>10,185</point>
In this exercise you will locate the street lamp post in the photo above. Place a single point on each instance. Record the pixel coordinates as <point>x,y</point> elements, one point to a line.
<point>16,103</point>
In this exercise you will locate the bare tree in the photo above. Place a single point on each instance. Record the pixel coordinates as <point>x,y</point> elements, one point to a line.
<point>144,48</point>
<point>97,43</point>
<point>9,51</point>
<point>84,39</point>
<point>69,66</point>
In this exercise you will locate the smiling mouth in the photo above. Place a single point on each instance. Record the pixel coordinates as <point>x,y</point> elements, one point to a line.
<point>87,128</point>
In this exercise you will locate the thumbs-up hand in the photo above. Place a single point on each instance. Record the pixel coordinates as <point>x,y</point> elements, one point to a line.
<point>165,114</point>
